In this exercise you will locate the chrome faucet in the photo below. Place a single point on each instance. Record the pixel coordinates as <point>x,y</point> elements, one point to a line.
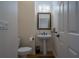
<point>43,33</point>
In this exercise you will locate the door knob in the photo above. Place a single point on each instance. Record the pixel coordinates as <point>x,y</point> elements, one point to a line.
<point>55,32</point>
<point>58,35</point>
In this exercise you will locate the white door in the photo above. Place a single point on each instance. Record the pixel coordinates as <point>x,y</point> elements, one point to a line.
<point>68,39</point>
<point>73,29</point>
<point>62,47</point>
<point>8,29</point>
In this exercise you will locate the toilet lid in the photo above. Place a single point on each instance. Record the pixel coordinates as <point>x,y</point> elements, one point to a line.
<point>24,49</point>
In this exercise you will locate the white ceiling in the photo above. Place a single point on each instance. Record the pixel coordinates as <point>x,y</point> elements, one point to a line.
<point>54,3</point>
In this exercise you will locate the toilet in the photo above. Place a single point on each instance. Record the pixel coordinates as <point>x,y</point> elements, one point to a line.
<point>23,51</point>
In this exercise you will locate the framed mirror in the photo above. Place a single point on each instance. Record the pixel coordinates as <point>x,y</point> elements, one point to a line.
<point>44,21</point>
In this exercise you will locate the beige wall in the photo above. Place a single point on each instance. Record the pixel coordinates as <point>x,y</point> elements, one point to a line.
<point>28,24</point>
<point>26,17</point>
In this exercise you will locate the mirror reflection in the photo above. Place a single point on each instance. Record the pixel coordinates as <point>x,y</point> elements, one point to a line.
<point>44,21</point>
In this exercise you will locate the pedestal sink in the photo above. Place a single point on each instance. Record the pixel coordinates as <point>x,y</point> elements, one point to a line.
<point>44,38</point>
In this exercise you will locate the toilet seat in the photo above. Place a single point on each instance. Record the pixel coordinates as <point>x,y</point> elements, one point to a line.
<point>24,50</point>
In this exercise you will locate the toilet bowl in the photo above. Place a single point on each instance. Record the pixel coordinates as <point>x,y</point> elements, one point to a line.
<point>23,51</point>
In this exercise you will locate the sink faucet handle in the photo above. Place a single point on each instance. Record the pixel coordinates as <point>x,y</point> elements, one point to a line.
<point>43,33</point>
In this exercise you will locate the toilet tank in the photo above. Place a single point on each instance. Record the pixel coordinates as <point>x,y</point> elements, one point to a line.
<point>18,41</point>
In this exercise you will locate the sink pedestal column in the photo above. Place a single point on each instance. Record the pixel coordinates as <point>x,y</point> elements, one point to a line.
<point>44,47</point>
<point>44,38</point>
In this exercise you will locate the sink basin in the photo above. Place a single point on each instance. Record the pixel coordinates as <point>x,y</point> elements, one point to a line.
<point>44,36</point>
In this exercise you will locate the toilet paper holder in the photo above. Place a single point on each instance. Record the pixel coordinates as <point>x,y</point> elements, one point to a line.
<point>31,38</point>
